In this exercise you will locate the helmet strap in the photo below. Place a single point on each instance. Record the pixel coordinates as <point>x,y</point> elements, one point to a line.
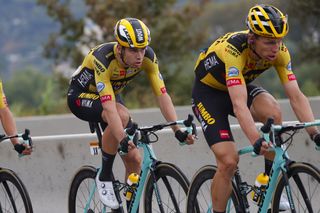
<point>255,52</point>
<point>251,42</point>
<point>121,53</point>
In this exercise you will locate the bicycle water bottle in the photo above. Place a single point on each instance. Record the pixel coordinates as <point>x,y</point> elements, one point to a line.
<point>259,187</point>
<point>132,183</point>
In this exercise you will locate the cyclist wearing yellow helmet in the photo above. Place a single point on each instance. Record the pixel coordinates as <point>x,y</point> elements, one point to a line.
<point>94,95</point>
<point>223,86</point>
<point>9,125</point>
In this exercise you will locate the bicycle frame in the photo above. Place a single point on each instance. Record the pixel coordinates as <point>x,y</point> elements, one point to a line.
<point>148,166</point>
<point>149,162</point>
<point>279,165</point>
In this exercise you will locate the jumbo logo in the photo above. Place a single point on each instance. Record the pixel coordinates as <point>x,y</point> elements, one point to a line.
<point>98,66</point>
<point>91,96</point>
<point>205,114</point>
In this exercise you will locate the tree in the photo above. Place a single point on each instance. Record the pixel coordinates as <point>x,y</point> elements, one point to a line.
<point>172,31</point>
<point>31,92</point>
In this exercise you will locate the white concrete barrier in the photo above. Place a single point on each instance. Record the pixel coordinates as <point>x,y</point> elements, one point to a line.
<point>48,172</point>
<point>60,151</point>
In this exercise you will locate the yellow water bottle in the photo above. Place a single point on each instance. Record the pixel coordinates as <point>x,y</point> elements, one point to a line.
<point>259,187</point>
<point>132,183</point>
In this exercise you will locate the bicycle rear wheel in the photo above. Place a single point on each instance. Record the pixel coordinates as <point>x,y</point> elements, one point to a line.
<point>172,186</point>
<point>199,195</point>
<point>13,194</point>
<point>304,181</point>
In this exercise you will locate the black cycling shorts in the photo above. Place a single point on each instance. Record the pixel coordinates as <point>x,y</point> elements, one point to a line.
<point>212,107</point>
<point>87,106</point>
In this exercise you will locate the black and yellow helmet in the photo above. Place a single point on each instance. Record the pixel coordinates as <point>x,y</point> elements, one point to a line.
<point>267,21</point>
<point>131,32</point>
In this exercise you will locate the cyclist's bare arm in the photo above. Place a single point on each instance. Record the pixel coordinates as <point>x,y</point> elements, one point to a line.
<point>167,109</point>
<point>111,115</point>
<point>169,113</point>
<point>8,123</point>
<point>9,127</point>
<point>300,105</point>
<point>238,96</point>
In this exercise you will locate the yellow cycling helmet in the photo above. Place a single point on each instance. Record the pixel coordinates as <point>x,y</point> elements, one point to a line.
<point>131,32</point>
<point>267,21</point>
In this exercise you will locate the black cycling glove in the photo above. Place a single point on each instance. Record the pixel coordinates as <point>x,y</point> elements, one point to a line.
<point>19,148</point>
<point>257,146</point>
<point>316,139</point>
<point>181,136</point>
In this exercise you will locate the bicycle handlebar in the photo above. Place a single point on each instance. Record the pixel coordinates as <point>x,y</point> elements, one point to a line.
<point>25,136</point>
<point>278,130</point>
<point>132,131</point>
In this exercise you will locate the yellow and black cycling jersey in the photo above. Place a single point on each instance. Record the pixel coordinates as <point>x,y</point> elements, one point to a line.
<point>226,63</point>
<point>3,101</point>
<point>100,72</point>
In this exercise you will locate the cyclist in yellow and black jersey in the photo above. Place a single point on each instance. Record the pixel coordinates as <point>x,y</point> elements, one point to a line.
<point>102,73</point>
<point>227,62</point>
<point>223,86</point>
<point>9,125</point>
<point>94,96</point>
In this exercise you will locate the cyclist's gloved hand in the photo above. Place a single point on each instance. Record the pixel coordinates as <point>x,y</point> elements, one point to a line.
<point>316,139</point>
<point>123,149</point>
<point>260,146</point>
<point>181,136</point>
<point>19,148</point>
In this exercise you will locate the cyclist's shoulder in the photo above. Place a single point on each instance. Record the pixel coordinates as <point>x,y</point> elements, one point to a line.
<point>150,54</point>
<point>104,50</point>
<point>102,54</point>
<point>237,40</point>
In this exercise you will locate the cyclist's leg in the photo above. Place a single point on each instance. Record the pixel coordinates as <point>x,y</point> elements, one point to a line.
<point>132,162</point>
<point>227,160</point>
<point>212,107</point>
<point>263,106</point>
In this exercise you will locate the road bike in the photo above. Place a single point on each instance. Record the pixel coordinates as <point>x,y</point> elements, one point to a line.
<point>14,197</point>
<point>165,185</point>
<point>299,182</point>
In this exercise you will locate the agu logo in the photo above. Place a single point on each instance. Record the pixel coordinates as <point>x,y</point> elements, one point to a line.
<point>139,33</point>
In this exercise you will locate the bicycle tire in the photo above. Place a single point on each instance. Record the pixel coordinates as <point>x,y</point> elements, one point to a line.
<point>199,194</point>
<point>14,196</point>
<point>173,187</point>
<point>304,180</point>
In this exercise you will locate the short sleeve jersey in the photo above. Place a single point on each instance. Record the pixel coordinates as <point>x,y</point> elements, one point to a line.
<point>3,102</point>
<point>100,72</point>
<point>227,63</point>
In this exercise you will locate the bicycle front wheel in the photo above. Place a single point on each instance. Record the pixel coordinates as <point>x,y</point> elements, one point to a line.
<point>13,194</point>
<point>199,196</point>
<point>83,196</point>
<point>304,181</point>
<point>172,186</point>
